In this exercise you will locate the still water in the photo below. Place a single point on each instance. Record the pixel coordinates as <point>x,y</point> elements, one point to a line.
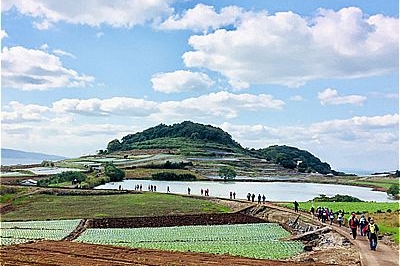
<point>274,191</point>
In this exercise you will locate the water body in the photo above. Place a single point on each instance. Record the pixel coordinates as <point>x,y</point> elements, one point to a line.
<point>274,191</point>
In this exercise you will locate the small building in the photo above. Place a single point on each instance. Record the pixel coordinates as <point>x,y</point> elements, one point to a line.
<point>28,182</point>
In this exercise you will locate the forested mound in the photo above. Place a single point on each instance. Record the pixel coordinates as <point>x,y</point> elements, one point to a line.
<point>191,136</point>
<point>174,136</point>
<point>291,157</point>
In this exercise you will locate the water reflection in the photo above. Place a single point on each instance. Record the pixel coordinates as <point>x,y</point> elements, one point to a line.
<point>274,191</point>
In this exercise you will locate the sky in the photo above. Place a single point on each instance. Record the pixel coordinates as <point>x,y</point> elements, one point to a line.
<point>317,75</point>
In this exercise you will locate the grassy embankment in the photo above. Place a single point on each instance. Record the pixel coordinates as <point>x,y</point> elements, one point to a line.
<point>385,214</point>
<point>383,182</point>
<point>43,207</point>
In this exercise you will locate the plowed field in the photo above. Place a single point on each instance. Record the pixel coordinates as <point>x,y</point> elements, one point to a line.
<point>72,253</point>
<point>174,220</point>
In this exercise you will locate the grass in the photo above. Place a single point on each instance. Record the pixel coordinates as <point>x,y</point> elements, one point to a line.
<point>43,207</point>
<point>388,222</point>
<point>382,183</point>
<point>7,193</point>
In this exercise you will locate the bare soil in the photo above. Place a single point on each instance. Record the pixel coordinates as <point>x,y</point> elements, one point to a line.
<point>174,220</point>
<point>72,253</point>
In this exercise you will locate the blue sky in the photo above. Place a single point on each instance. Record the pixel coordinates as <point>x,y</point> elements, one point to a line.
<point>317,75</point>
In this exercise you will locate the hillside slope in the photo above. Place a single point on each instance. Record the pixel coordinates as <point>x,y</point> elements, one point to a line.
<point>188,138</point>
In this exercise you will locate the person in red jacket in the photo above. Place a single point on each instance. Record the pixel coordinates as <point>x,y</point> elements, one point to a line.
<point>353,224</point>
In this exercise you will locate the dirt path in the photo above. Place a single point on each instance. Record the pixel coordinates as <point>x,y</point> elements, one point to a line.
<point>384,255</point>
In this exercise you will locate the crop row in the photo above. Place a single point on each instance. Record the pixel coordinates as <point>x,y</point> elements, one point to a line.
<point>249,240</point>
<point>20,232</point>
<point>52,224</point>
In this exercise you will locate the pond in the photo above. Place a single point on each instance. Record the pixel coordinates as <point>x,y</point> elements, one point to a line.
<point>274,191</point>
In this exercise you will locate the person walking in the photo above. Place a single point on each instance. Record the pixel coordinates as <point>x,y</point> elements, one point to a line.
<point>234,195</point>
<point>340,218</point>
<point>296,206</point>
<point>363,224</point>
<point>188,190</point>
<point>312,211</point>
<point>264,198</point>
<point>259,198</point>
<point>353,224</point>
<point>331,216</point>
<point>372,231</point>
<point>252,197</point>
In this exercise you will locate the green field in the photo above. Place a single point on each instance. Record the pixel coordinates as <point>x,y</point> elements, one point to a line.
<point>21,232</point>
<point>382,182</point>
<point>248,240</point>
<point>42,207</point>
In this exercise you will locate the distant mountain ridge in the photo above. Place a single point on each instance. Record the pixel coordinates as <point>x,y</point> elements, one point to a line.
<point>11,155</point>
<point>189,136</point>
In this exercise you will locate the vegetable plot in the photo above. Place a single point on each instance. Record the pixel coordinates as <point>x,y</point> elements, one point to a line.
<point>248,240</point>
<point>21,232</point>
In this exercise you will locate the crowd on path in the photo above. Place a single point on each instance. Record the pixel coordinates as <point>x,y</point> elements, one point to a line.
<point>251,197</point>
<point>364,226</point>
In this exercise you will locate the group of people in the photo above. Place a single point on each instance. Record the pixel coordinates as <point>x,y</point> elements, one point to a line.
<point>232,195</point>
<point>205,192</point>
<point>366,226</point>
<point>251,197</point>
<point>325,214</point>
<point>152,188</point>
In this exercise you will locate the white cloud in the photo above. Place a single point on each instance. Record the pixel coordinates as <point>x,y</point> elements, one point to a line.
<point>62,128</point>
<point>297,98</point>
<point>20,113</point>
<point>44,47</point>
<point>3,34</point>
<point>62,53</point>
<point>100,34</point>
<point>116,13</point>
<point>203,17</point>
<point>331,96</point>
<point>181,80</point>
<point>220,104</point>
<point>119,106</point>
<point>62,137</point>
<point>287,49</point>
<point>29,69</point>
<point>362,142</point>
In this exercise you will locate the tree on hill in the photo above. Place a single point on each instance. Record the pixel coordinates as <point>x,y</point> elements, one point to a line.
<point>114,145</point>
<point>393,191</point>
<point>114,173</point>
<point>291,157</point>
<point>187,129</point>
<point>227,172</point>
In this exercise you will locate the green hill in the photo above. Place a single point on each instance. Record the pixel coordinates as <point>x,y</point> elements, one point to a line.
<point>291,157</point>
<point>177,136</point>
<point>191,138</point>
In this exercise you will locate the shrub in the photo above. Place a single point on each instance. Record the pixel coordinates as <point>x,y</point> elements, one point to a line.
<point>68,176</point>
<point>169,176</point>
<point>114,173</point>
